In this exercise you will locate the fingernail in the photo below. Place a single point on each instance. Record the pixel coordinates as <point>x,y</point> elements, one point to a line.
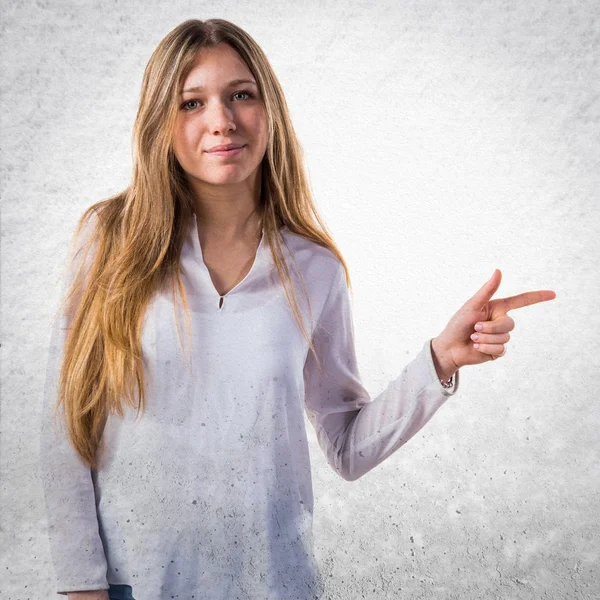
<point>478,327</point>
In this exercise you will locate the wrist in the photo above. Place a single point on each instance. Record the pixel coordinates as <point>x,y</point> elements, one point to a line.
<point>444,365</point>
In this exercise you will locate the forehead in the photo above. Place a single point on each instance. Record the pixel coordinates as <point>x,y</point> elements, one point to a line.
<point>216,67</point>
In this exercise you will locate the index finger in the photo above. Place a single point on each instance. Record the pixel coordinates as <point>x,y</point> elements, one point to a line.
<point>528,298</point>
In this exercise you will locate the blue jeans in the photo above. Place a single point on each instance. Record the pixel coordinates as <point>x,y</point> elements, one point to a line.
<point>120,592</point>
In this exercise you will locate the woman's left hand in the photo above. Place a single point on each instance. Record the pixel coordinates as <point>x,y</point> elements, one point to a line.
<point>455,346</point>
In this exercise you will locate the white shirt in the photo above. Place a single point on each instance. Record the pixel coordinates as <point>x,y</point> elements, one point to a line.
<point>208,494</point>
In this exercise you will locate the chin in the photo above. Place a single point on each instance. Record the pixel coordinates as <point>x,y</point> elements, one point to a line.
<point>225,178</point>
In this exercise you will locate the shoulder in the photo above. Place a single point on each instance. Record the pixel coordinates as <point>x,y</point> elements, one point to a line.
<point>86,230</point>
<point>317,264</point>
<point>84,243</point>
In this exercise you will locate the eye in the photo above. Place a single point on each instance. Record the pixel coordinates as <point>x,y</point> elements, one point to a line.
<point>185,104</point>
<point>248,93</point>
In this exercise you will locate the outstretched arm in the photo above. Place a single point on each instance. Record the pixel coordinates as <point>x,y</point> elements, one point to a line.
<point>356,432</point>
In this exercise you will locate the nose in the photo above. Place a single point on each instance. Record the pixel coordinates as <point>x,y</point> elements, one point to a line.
<point>220,118</point>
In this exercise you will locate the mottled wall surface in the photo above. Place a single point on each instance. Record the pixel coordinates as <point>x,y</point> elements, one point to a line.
<point>443,140</point>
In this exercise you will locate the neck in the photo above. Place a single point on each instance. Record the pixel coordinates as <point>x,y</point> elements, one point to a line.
<point>229,212</point>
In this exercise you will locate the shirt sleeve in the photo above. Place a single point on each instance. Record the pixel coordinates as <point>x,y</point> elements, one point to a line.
<point>73,531</point>
<point>355,431</point>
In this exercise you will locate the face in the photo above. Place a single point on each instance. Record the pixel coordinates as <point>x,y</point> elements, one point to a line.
<point>218,114</point>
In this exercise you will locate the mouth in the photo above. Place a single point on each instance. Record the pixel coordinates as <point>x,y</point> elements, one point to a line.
<point>226,153</point>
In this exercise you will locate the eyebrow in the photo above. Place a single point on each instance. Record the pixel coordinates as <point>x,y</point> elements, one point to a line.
<point>200,88</point>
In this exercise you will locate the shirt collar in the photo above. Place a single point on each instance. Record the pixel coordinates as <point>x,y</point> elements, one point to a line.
<point>200,286</point>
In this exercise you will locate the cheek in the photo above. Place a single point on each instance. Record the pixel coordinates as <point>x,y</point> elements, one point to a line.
<point>258,126</point>
<point>184,137</point>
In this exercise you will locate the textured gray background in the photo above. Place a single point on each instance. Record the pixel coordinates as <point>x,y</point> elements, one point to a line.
<point>443,140</point>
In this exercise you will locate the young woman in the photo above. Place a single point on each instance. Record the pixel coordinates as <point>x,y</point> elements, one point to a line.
<point>180,468</point>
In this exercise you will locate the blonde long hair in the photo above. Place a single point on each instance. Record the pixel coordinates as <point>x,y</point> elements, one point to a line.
<point>138,234</point>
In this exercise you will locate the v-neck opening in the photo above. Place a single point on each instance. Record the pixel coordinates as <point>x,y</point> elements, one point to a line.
<point>198,248</point>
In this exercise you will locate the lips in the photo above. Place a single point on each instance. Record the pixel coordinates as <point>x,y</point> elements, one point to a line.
<point>225,147</point>
<point>232,153</point>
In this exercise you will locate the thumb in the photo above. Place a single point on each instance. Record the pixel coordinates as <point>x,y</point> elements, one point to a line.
<point>486,291</point>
